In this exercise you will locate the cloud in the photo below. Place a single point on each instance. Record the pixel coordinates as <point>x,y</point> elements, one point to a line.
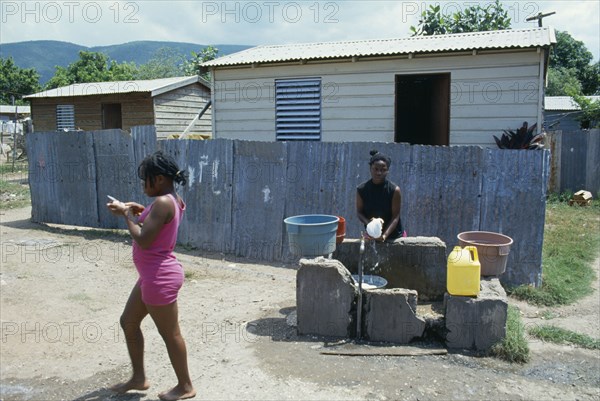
<point>94,23</point>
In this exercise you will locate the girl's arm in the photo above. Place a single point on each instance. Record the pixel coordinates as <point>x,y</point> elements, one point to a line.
<point>396,202</point>
<point>360,208</point>
<point>161,213</point>
<point>136,208</point>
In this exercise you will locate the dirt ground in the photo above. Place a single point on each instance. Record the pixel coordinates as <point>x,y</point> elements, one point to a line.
<point>63,288</point>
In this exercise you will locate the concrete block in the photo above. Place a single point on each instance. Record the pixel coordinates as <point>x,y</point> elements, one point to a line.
<point>416,263</point>
<point>389,315</point>
<point>325,298</point>
<point>477,322</point>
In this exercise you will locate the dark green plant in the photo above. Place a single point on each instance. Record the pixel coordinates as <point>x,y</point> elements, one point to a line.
<point>523,138</point>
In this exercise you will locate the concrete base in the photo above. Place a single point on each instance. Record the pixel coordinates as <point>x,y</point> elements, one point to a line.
<point>390,316</point>
<point>417,263</point>
<point>477,323</point>
<point>325,298</point>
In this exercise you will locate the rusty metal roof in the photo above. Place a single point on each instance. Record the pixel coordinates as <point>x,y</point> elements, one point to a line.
<point>154,86</point>
<point>504,39</point>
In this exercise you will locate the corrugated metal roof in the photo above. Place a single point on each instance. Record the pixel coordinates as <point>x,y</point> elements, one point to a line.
<point>511,38</point>
<point>564,102</point>
<point>154,86</point>
<point>7,109</point>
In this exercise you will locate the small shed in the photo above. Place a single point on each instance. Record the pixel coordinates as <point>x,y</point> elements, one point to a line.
<point>8,113</point>
<point>457,89</point>
<point>170,104</point>
<point>561,112</point>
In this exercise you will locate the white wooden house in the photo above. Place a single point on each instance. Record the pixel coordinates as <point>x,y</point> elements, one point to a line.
<point>438,90</point>
<point>170,104</point>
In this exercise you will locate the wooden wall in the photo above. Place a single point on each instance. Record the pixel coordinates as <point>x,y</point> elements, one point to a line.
<point>170,112</point>
<point>175,110</point>
<point>239,192</point>
<point>136,110</point>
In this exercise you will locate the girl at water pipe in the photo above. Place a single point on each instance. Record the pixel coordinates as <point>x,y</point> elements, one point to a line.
<point>380,198</point>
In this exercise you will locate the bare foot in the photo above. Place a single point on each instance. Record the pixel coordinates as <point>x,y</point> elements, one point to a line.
<point>178,393</point>
<point>130,385</point>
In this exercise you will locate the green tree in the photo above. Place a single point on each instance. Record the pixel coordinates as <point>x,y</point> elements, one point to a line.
<point>165,63</point>
<point>492,17</point>
<point>192,65</point>
<point>569,53</point>
<point>562,81</point>
<point>122,71</point>
<point>92,67</point>
<point>17,82</point>
<point>590,111</point>
<point>590,79</point>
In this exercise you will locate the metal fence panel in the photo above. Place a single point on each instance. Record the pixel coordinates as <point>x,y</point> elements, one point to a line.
<point>259,199</point>
<point>208,193</point>
<point>573,161</point>
<point>592,167</point>
<point>514,204</point>
<point>444,195</point>
<point>115,173</point>
<point>62,176</point>
<point>239,192</point>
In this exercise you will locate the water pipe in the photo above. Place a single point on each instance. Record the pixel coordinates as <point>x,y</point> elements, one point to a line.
<point>360,279</point>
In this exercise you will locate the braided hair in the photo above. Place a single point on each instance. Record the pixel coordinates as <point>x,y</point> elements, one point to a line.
<point>376,156</point>
<point>160,163</point>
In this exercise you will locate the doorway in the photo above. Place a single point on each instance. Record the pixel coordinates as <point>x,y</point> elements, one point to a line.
<point>422,115</point>
<point>111,116</point>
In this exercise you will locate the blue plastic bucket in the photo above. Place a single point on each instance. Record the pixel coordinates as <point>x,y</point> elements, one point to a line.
<point>311,234</point>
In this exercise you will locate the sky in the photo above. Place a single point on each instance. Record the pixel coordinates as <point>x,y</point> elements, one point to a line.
<point>99,23</point>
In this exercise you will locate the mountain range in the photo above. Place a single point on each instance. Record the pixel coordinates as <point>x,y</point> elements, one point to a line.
<point>45,55</point>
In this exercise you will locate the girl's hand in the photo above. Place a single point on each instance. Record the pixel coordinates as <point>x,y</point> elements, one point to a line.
<point>136,208</point>
<point>367,237</point>
<point>116,207</point>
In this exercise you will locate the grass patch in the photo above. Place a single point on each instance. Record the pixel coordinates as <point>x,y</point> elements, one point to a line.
<point>20,166</point>
<point>13,195</point>
<point>557,335</point>
<point>14,190</point>
<point>571,241</point>
<point>513,348</point>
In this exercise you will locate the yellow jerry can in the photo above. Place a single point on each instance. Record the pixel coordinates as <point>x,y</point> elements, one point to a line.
<point>464,272</point>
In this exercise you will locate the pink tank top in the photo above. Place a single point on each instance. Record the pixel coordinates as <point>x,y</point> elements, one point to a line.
<point>159,259</point>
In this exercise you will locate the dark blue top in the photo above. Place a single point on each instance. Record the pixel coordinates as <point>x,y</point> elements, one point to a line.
<point>377,203</point>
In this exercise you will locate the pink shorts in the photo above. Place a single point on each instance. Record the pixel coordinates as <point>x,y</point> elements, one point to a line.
<point>161,290</point>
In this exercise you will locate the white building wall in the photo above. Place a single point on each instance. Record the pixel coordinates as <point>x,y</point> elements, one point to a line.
<point>175,110</point>
<point>489,93</point>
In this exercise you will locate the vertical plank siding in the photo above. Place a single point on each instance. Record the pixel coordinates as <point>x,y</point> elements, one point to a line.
<point>239,192</point>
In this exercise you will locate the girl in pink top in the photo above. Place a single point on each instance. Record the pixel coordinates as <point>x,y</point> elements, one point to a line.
<point>154,233</point>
